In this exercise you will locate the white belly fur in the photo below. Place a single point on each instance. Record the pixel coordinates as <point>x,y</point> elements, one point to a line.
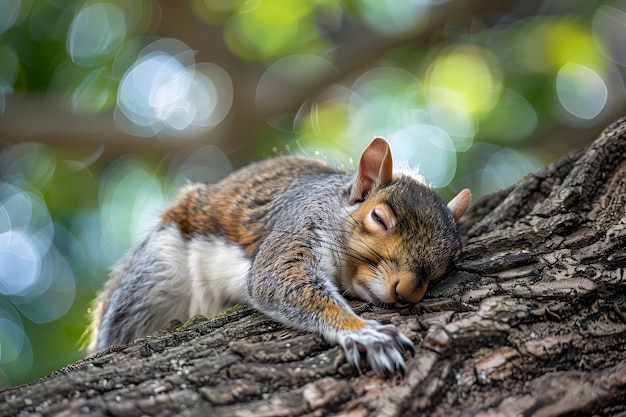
<point>217,274</point>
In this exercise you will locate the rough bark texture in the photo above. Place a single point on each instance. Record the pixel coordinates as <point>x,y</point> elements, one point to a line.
<point>533,324</point>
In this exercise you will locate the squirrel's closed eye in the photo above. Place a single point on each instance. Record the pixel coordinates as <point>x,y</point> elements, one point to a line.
<point>380,217</point>
<point>383,218</point>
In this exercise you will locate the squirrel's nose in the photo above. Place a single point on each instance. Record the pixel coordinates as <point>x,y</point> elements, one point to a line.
<point>401,300</point>
<point>406,292</point>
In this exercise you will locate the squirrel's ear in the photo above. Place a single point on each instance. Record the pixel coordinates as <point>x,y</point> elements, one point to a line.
<point>459,204</point>
<point>375,169</point>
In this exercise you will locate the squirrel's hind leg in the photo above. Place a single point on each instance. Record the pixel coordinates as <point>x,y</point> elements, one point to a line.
<point>146,292</point>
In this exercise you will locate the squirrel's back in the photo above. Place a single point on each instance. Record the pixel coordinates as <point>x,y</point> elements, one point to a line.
<point>237,206</point>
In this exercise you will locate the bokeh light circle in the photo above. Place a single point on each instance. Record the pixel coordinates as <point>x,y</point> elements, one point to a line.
<point>165,92</point>
<point>472,72</point>
<point>207,164</point>
<point>12,336</point>
<point>504,168</point>
<point>293,71</point>
<point>383,101</point>
<point>446,110</point>
<point>394,17</point>
<point>9,12</point>
<point>609,33</point>
<point>59,294</point>
<point>96,33</point>
<point>501,128</point>
<point>16,351</point>
<point>581,91</point>
<point>266,29</point>
<point>131,198</point>
<point>11,339</point>
<point>20,262</point>
<point>428,147</point>
<point>26,234</point>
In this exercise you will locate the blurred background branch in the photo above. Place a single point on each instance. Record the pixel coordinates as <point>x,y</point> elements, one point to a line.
<point>40,117</point>
<point>106,107</point>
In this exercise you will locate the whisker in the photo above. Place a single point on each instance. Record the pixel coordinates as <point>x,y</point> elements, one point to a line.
<point>338,247</point>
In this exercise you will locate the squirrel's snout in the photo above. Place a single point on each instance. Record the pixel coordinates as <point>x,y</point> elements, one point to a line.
<point>406,291</point>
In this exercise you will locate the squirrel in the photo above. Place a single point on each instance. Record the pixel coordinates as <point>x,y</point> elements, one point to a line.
<point>291,236</point>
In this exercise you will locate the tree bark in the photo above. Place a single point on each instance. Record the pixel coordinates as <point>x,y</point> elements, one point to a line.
<point>533,323</point>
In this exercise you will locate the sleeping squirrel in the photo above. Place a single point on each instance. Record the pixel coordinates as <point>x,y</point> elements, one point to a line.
<point>290,236</point>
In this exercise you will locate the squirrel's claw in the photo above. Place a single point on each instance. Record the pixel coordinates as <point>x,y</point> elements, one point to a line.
<point>403,343</point>
<point>383,346</point>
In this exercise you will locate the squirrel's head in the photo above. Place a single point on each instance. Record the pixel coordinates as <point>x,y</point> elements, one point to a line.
<point>403,235</point>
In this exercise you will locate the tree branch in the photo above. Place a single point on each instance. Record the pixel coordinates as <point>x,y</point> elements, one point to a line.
<point>533,323</point>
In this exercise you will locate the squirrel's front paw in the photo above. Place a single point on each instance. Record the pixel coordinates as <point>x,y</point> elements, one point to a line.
<point>382,344</point>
